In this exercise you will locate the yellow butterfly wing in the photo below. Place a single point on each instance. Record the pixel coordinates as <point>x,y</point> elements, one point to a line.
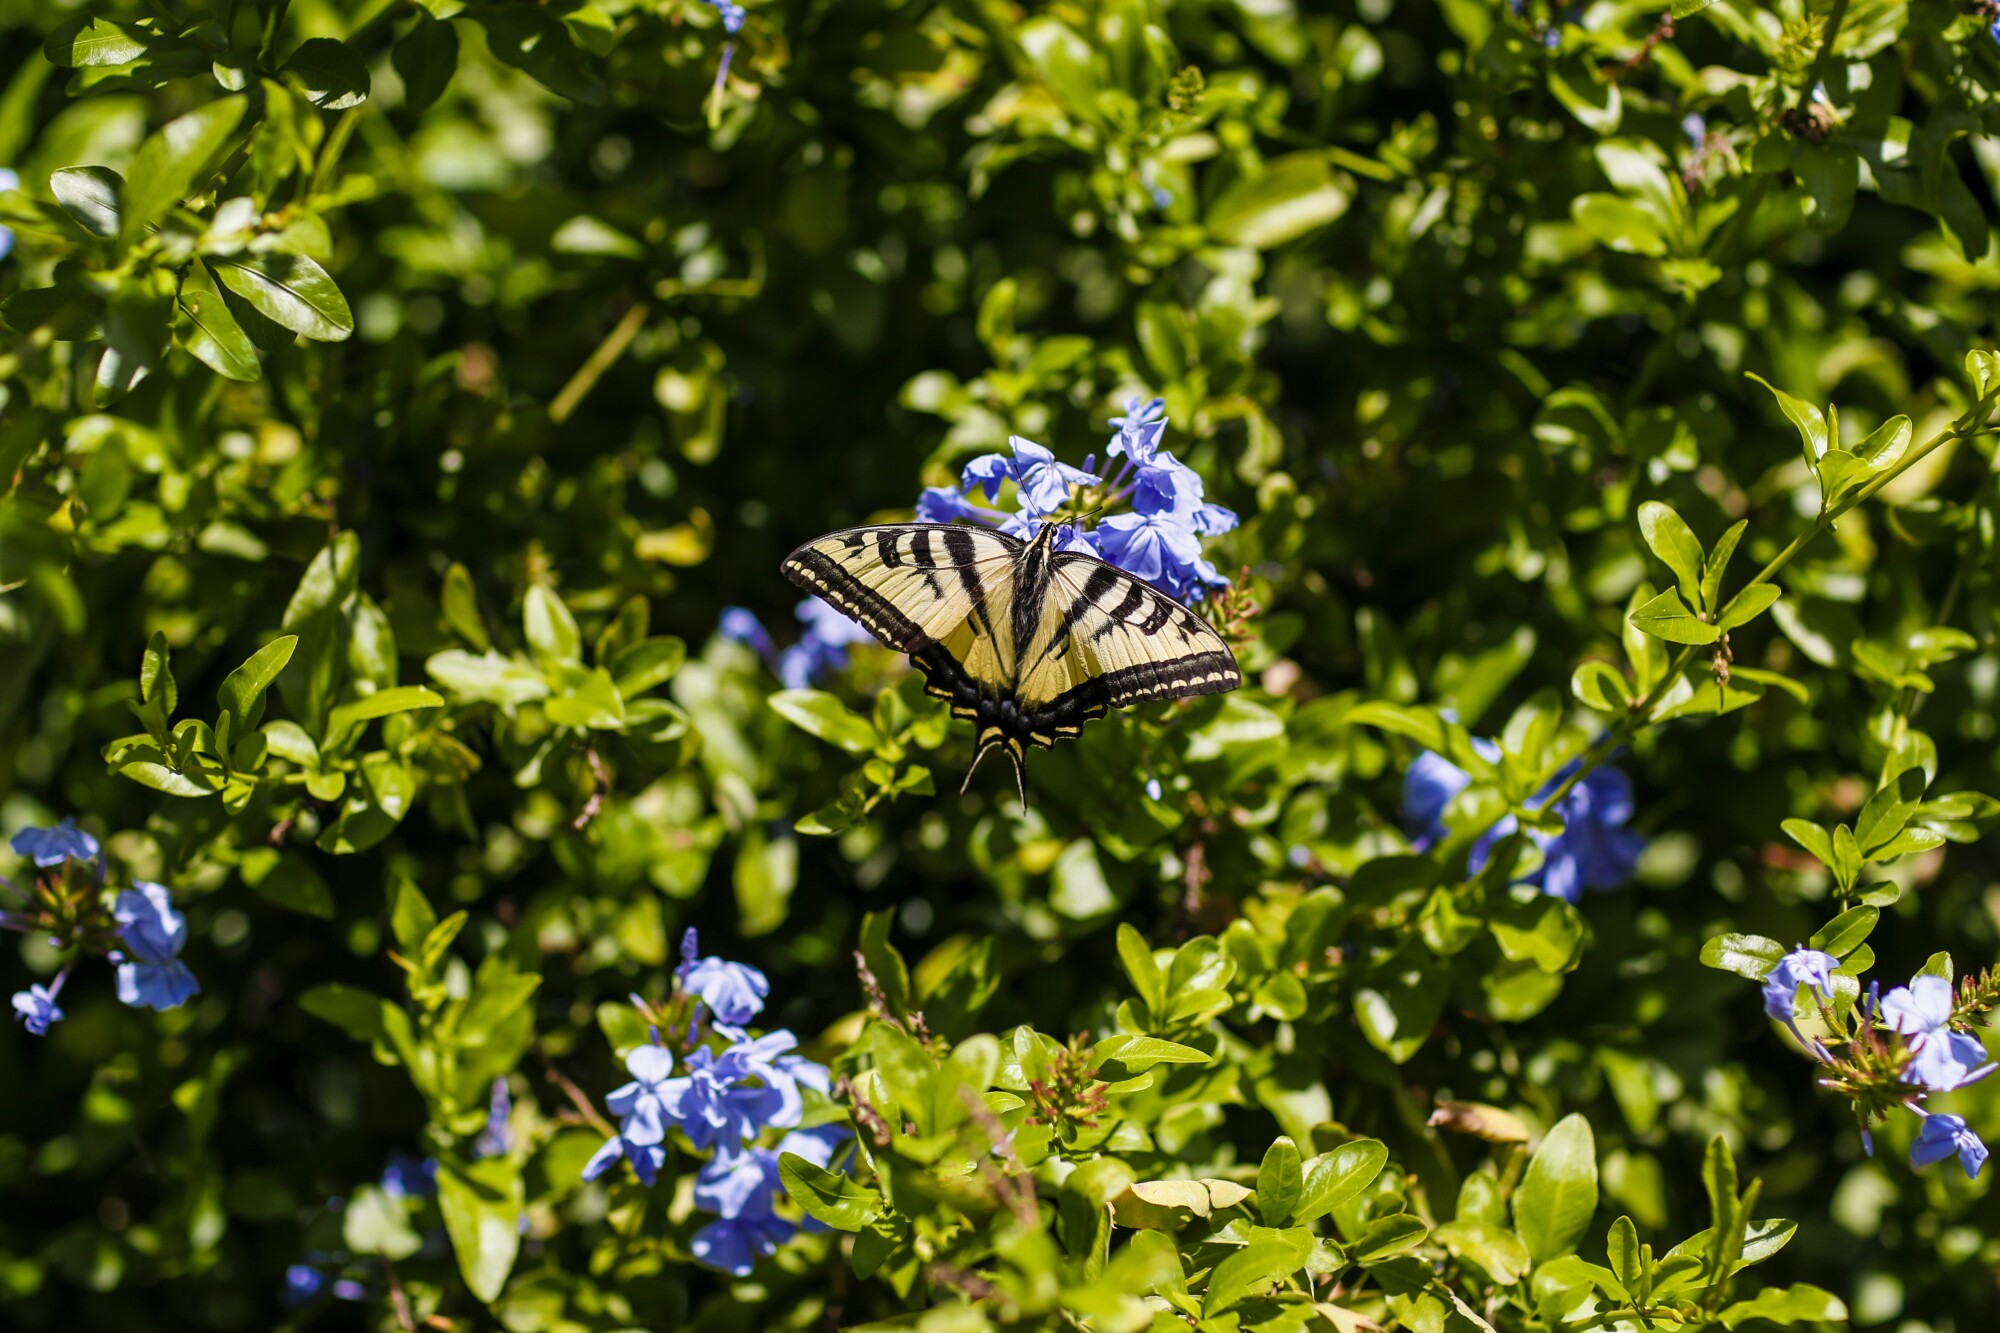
<point>1105,639</point>
<point>941,592</point>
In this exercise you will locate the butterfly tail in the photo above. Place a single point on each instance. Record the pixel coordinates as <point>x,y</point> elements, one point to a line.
<point>1013,749</point>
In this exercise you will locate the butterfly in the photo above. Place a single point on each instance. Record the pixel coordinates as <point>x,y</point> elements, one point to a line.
<point>1027,641</point>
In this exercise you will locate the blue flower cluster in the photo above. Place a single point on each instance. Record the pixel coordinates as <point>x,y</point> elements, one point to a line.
<point>1158,540</point>
<point>1594,851</point>
<point>150,931</point>
<point>822,649</point>
<point>1940,1059</point>
<point>722,1102</point>
<point>732,13</point>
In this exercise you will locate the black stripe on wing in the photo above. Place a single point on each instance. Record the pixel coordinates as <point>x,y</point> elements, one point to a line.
<point>1213,672</point>
<point>822,576</point>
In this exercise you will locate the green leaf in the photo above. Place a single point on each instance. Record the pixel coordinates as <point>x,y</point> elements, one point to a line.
<point>156,675</point>
<point>1844,934</point>
<point>1558,1195</point>
<point>90,196</point>
<point>1668,617</point>
<point>1751,956</point>
<point>411,917</point>
<point>590,703</point>
<point>482,1203</point>
<point>1147,979</point>
<point>823,715</point>
<point>347,718</point>
<point>1269,1256</point>
<point>828,1196</point>
<point>1982,367</point>
<point>1717,563</point>
<point>487,678</point>
<point>374,1223</point>
<point>1386,1237</point>
<point>1801,1303</point>
<point>170,164</point>
<point>86,42</point>
<point>425,60</point>
<point>538,44</point>
<point>885,962</point>
<point>137,321</point>
<point>1627,1260</point>
<point>1333,1178</point>
<point>212,334</point>
<point>646,664</point>
<point>1671,539</point>
<point>290,290</point>
<point>1617,223</point>
<point>1585,93</point>
<point>1280,1182</point>
<point>550,628</point>
<point>1809,420</point>
<point>290,881</point>
<point>242,691</point>
<point>1747,605</point>
<point>332,74</point>
<point>1138,1054</point>
<point>1600,685</point>
<point>1291,196</point>
<point>1888,810</point>
<point>1725,1242</point>
<point>356,1012</point>
<point>1811,837</point>
<point>1494,1248</point>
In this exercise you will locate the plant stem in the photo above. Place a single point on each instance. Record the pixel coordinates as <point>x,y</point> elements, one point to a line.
<point>1639,715</point>
<point>601,360</point>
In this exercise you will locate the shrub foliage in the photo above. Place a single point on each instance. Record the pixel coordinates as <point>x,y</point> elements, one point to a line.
<point>1576,920</point>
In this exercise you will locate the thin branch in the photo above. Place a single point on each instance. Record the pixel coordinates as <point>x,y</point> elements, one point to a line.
<point>601,360</point>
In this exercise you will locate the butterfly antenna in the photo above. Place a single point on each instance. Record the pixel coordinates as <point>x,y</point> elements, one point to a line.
<point>1020,781</point>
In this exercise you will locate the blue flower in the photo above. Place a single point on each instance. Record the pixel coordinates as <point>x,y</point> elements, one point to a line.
<point>734,1244</point>
<point>150,973</point>
<point>823,648</point>
<point>302,1283</point>
<point>1151,546</point>
<point>1800,967</point>
<point>1941,1059</point>
<point>1944,1135</point>
<point>732,15</point>
<point>1429,786</point>
<point>36,1007</point>
<point>739,624</point>
<point>946,504</point>
<point>1044,483</point>
<point>743,1189</point>
<point>988,473</point>
<point>644,1108</point>
<point>496,1139</point>
<point>1594,850</point>
<point>733,992</point>
<point>1695,128</point>
<point>65,842</point>
<point>409,1177</point>
<point>9,180</point>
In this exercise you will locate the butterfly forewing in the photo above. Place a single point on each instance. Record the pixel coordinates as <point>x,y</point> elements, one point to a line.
<point>940,593</point>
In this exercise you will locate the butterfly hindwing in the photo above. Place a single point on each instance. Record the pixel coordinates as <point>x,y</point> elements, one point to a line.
<point>940,592</point>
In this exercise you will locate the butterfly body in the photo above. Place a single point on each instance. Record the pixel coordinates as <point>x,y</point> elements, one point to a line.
<point>1025,641</point>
